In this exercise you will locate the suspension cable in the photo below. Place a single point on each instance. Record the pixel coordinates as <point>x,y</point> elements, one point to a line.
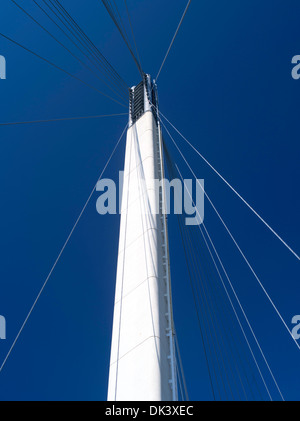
<point>109,9</point>
<point>132,32</point>
<point>205,303</point>
<point>60,68</point>
<point>61,119</point>
<point>203,332</point>
<point>224,310</point>
<point>246,261</point>
<point>244,257</point>
<point>95,62</point>
<point>181,367</point>
<point>92,56</point>
<point>230,186</point>
<point>60,253</point>
<point>173,39</point>
<point>170,162</point>
<point>66,48</point>
<point>108,68</point>
<point>262,377</point>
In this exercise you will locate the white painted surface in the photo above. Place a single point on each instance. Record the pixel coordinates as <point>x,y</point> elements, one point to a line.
<point>140,366</point>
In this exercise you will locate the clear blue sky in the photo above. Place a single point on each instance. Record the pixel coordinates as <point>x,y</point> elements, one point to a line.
<point>227,86</point>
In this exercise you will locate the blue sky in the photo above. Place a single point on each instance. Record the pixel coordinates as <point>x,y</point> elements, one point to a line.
<point>227,86</point>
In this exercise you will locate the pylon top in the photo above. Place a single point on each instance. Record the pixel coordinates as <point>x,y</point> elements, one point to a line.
<point>143,98</point>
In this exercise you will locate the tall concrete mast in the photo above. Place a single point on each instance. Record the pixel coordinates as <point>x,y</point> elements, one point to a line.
<point>142,361</point>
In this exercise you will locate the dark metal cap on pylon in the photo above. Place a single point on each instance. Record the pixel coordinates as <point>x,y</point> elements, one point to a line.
<point>143,98</point>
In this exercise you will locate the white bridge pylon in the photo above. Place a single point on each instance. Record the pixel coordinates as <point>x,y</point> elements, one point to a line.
<point>142,362</point>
